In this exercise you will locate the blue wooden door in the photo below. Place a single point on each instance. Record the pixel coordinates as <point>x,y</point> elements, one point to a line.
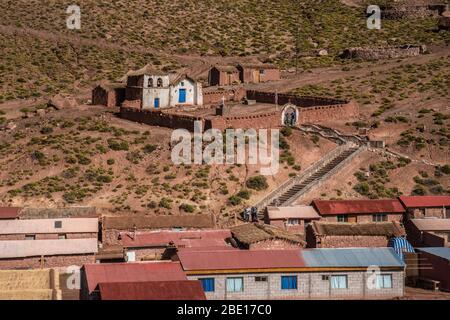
<point>156,103</point>
<point>182,96</point>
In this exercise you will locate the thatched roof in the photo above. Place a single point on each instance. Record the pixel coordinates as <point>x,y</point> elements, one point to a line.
<point>388,229</point>
<point>253,232</point>
<point>159,222</point>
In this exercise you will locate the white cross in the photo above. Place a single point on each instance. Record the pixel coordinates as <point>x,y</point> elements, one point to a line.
<point>223,101</point>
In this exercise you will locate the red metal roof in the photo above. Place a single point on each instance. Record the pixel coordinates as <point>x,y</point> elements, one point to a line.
<point>198,238</point>
<point>153,290</point>
<point>331,207</point>
<point>132,272</point>
<point>9,212</point>
<point>425,201</point>
<point>240,259</point>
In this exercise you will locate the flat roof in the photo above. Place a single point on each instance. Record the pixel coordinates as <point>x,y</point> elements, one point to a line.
<point>36,226</point>
<point>442,252</point>
<point>432,224</point>
<point>332,207</point>
<point>153,290</point>
<point>132,272</point>
<point>298,212</point>
<point>425,201</point>
<point>33,248</point>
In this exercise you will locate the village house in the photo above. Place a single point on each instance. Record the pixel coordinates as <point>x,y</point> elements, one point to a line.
<point>429,232</point>
<point>108,94</point>
<point>256,73</point>
<point>435,266</point>
<point>255,236</point>
<point>157,245</point>
<point>322,234</point>
<point>112,226</point>
<point>150,89</point>
<point>359,210</point>
<point>418,207</point>
<point>223,76</point>
<point>39,243</point>
<point>295,274</point>
<point>152,290</point>
<point>293,219</point>
<point>8,213</point>
<point>92,275</point>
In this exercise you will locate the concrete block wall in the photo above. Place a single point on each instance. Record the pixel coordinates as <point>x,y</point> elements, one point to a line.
<point>310,285</point>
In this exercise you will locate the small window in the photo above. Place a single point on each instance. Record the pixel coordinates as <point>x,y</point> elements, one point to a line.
<point>182,83</point>
<point>208,284</point>
<point>262,71</point>
<point>342,218</point>
<point>325,278</point>
<point>293,222</point>
<point>235,284</point>
<point>58,224</point>
<point>62,236</point>
<point>288,282</point>
<point>261,279</point>
<point>384,281</point>
<point>150,82</point>
<point>339,282</point>
<point>379,217</point>
<point>30,237</point>
<point>159,82</point>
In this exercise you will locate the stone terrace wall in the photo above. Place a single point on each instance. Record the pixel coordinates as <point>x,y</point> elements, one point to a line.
<point>255,121</point>
<point>367,53</point>
<point>215,96</point>
<point>158,118</point>
<point>333,112</point>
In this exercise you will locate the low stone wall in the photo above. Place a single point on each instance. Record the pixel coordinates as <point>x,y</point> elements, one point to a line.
<point>255,121</point>
<point>283,98</point>
<point>54,213</point>
<point>411,11</point>
<point>330,112</point>
<point>350,241</point>
<point>368,53</point>
<point>158,118</point>
<point>216,96</point>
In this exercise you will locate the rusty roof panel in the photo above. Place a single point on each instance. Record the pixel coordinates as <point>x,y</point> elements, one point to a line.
<point>425,201</point>
<point>332,207</point>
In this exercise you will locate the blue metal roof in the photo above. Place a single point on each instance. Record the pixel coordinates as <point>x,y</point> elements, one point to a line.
<point>442,252</point>
<point>352,257</point>
<point>400,246</point>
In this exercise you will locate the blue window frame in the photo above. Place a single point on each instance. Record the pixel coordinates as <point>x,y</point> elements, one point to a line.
<point>288,282</point>
<point>208,284</point>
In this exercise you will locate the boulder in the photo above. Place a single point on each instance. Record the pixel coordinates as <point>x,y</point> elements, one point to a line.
<point>61,102</point>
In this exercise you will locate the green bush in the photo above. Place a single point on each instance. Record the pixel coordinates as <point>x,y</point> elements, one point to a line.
<point>118,144</point>
<point>234,200</point>
<point>244,194</point>
<point>257,183</point>
<point>187,207</point>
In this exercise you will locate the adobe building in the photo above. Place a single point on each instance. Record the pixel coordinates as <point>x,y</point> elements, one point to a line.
<point>382,210</point>
<point>223,76</point>
<point>418,207</point>
<point>113,226</point>
<point>293,219</point>
<point>157,245</point>
<point>257,73</point>
<point>435,263</point>
<point>108,94</point>
<point>321,234</point>
<point>150,89</point>
<point>428,232</point>
<point>295,274</point>
<point>256,236</point>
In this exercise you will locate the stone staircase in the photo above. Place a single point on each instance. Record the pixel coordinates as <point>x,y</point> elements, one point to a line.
<point>293,188</point>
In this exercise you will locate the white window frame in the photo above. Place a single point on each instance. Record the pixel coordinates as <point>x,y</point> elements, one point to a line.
<point>293,221</point>
<point>231,284</point>
<point>339,283</point>
<point>381,281</point>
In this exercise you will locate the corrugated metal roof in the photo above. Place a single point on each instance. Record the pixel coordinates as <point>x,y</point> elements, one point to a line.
<point>9,212</point>
<point>34,248</point>
<point>351,257</point>
<point>442,252</point>
<point>297,212</point>
<point>432,224</point>
<point>153,290</point>
<point>132,272</point>
<point>240,259</point>
<point>425,201</point>
<point>158,222</point>
<point>36,226</point>
<point>331,207</point>
<point>197,238</point>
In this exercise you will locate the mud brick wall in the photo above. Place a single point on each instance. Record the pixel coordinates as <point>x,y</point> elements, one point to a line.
<point>283,98</point>
<point>215,97</point>
<point>350,241</point>
<point>256,121</point>
<point>147,254</point>
<point>49,262</point>
<point>270,75</point>
<point>326,113</point>
<point>158,118</point>
<point>48,236</point>
<point>364,218</point>
<point>274,244</point>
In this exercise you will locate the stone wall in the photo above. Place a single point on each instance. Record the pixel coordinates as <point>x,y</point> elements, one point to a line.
<point>411,11</point>
<point>274,244</point>
<point>348,241</point>
<point>214,97</point>
<point>48,236</point>
<point>369,53</point>
<point>365,218</point>
<point>310,285</point>
<point>254,121</point>
<point>54,213</point>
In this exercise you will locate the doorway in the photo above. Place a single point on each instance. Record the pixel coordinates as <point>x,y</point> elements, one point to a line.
<point>182,96</point>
